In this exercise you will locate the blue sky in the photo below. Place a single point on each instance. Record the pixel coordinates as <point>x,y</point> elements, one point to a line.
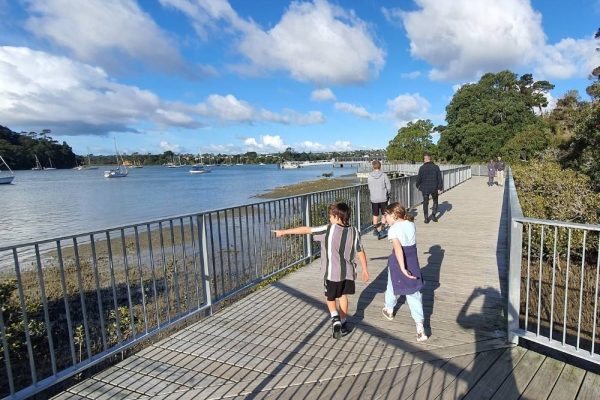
<point>234,76</point>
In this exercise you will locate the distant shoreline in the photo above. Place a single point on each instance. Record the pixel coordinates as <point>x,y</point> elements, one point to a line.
<point>309,187</point>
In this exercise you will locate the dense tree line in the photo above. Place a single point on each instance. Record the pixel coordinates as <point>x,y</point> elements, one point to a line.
<point>20,149</point>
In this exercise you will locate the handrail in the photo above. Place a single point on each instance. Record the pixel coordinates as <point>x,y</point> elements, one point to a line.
<point>553,282</point>
<point>71,302</point>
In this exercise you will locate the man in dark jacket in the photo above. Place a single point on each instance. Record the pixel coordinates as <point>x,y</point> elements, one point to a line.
<point>430,183</point>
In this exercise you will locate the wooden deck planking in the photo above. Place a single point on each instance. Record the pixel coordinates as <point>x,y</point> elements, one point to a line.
<point>276,343</point>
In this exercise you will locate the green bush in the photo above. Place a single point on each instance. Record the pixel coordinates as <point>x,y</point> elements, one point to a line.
<point>548,192</point>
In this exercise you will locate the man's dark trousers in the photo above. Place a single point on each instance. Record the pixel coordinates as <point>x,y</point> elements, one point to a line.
<point>434,208</point>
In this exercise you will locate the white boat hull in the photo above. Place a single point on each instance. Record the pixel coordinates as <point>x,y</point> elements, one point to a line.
<point>115,174</point>
<point>5,180</point>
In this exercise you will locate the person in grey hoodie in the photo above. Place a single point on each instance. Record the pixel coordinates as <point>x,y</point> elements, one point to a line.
<point>379,193</point>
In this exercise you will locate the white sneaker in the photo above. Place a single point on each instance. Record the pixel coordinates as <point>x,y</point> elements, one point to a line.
<point>389,315</point>
<point>421,336</point>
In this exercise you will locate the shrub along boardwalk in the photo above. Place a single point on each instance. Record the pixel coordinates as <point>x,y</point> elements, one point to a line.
<point>276,343</point>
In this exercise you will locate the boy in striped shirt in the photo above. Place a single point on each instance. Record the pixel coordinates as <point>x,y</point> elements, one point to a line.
<point>340,247</point>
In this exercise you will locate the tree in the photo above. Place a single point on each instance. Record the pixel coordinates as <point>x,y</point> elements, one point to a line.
<point>483,117</point>
<point>411,142</point>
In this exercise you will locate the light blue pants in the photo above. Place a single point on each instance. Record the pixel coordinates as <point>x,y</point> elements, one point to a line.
<point>415,301</point>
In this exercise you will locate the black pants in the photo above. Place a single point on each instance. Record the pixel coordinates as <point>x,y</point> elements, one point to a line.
<point>434,208</point>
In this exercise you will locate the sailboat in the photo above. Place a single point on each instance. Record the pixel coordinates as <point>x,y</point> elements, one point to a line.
<point>120,171</point>
<point>175,164</point>
<point>6,179</point>
<point>88,166</point>
<point>51,166</point>
<point>38,166</point>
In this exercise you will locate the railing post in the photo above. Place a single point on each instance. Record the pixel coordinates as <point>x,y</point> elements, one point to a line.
<point>204,261</point>
<point>358,224</point>
<point>514,266</point>
<point>514,280</point>
<point>307,219</point>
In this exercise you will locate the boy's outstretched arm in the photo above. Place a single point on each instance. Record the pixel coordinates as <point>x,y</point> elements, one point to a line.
<point>300,230</point>
<point>362,258</point>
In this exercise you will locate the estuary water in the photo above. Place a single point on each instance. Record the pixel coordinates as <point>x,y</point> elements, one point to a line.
<point>45,204</point>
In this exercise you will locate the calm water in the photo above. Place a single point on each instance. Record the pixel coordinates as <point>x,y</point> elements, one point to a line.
<point>44,204</point>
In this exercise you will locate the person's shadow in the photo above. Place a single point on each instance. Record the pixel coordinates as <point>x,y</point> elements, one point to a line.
<point>443,208</point>
<point>488,323</point>
<point>431,275</point>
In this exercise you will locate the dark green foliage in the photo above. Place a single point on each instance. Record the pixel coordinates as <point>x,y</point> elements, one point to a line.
<point>19,150</point>
<point>582,152</point>
<point>411,142</point>
<point>483,117</point>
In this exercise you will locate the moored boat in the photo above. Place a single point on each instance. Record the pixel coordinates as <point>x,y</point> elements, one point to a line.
<point>5,180</point>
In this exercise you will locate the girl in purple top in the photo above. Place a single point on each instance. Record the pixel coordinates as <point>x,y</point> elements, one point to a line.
<point>404,272</point>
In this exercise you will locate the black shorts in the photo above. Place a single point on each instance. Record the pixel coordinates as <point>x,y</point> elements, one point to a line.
<point>377,207</point>
<point>335,290</point>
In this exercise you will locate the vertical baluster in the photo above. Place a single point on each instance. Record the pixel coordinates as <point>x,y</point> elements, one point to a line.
<point>539,310</point>
<point>40,275</point>
<point>235,249</point>
<point>241,252</point>
<point>111,267</point>
<point>567,289</point>
<point>7,363</point>
<point>581,289</point>
<point>63,284</point>
<point>213,257</point>
<point>161,240</point>
<point>197,259</point>
<point>249,245</point>
<point>185,267</point>
<point>553,282</point>
<point>32,367</point>
<point>86,325</point>
<point>596,299</point>
<point>98,293</point>
<point>127,284</point>
<point>256,228</point>
<point>222,264</point>
<point>529,226</point>
<point>153,271</point>
<point>141,272</point>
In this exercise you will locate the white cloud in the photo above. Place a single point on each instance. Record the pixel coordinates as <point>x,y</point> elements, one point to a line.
<point>104,32</point>
<point>310,146</point>
<point>568,58</point>
<point>266,144</point>
<point>342,145</point>
<point>229,109</point>
<point>308,42</point>
<point>166,146</point>
<point>322,95</point>
<point>462,39</point>
<point>353,109</point>
<point>407,107</point>
<point>42,90</point>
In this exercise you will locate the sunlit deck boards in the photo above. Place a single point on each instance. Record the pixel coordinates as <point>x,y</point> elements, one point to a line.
<point>276,343</point>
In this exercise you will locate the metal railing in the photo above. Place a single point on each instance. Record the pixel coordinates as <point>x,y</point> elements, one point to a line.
<point>553,282</point>
<point>71,302</point>
<point>403,168</point>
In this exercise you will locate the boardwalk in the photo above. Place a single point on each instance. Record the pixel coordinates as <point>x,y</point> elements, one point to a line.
<point>276,343</point>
